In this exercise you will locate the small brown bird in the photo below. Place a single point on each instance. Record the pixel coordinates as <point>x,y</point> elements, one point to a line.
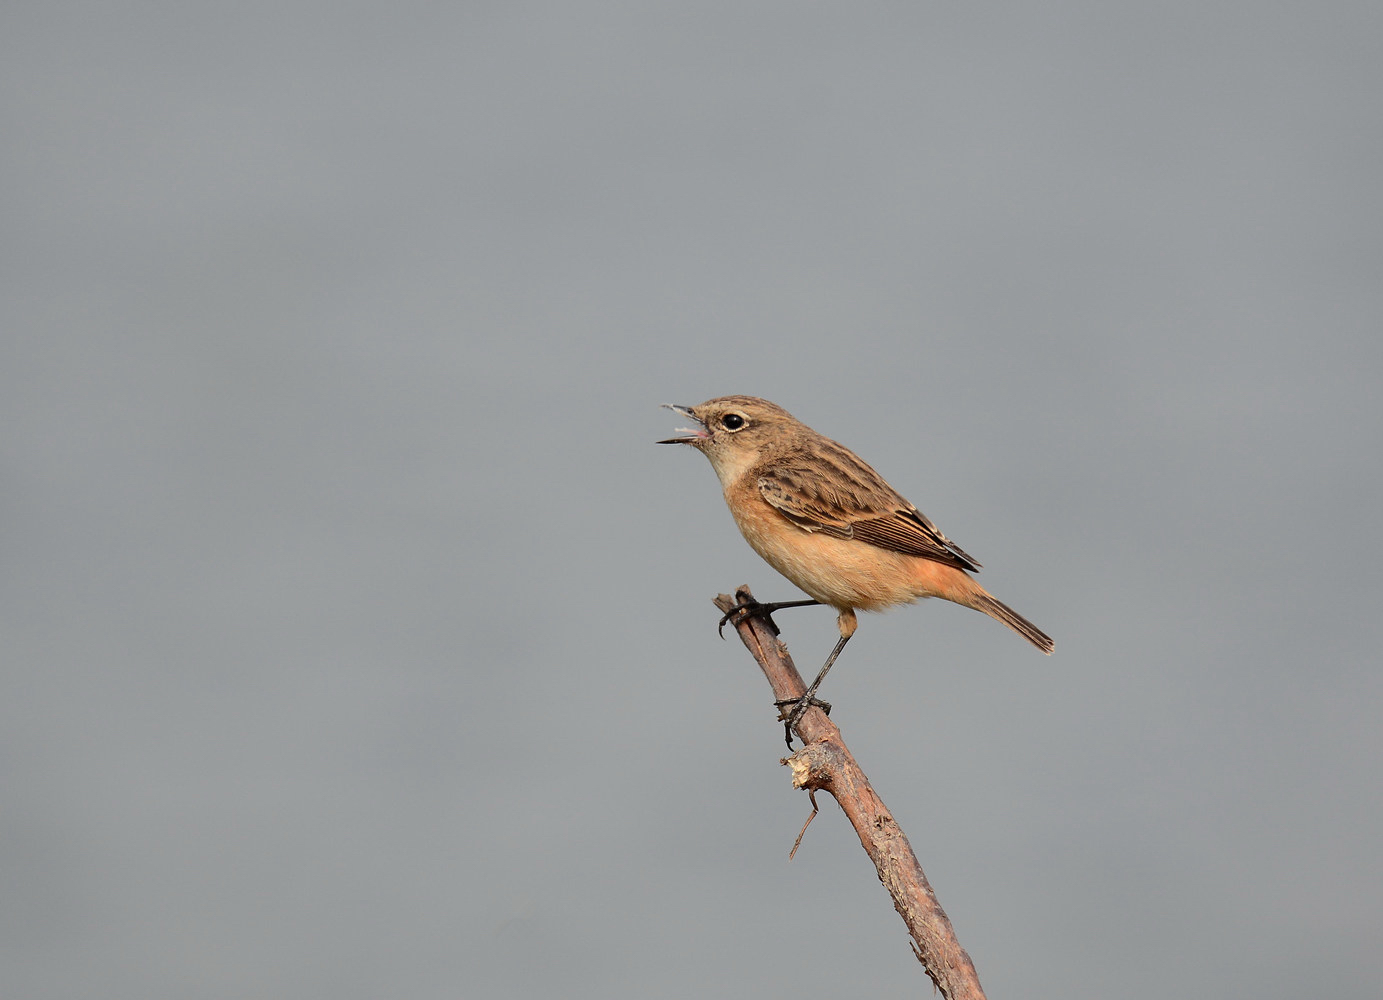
<point>829,523</point>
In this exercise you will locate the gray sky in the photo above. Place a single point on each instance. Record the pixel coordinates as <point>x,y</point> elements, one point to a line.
<point>358,639</point>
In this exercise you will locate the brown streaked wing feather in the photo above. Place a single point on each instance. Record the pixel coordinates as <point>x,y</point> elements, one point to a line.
<point>870,512</point>
<point>910,531</point>
<point>784,491</point>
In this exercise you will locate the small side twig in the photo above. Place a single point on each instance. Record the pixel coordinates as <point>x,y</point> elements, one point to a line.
<point>825,762</point>
<point>811,794</point>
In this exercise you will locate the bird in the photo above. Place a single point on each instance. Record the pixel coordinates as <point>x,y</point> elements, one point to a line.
<point>822,517</point>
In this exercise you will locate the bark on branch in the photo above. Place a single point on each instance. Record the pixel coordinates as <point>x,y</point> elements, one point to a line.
<point>824,762</point>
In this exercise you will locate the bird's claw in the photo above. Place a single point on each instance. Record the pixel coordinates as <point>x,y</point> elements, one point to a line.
<point>800,706</point>
<point>742,611</point>
<point>825,706</point>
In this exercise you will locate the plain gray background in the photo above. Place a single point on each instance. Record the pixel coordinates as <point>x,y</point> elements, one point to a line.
<point>358,640</point>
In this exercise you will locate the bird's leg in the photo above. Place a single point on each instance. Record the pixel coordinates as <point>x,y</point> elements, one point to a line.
<point>742,611</point>
<point>847,623</point>
<point>808,699</point>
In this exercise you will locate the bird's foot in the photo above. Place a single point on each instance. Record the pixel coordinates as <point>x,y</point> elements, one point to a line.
<point>753,609</point>
<point>799,706</point>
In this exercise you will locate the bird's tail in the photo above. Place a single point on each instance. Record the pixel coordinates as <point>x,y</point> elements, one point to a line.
<point>1000,611</point>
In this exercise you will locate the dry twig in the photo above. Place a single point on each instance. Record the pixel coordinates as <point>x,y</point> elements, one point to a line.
<point>824,762</point>
<point>811,794</point>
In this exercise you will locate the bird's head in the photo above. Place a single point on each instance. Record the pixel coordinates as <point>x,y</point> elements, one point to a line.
<point>735,432</point>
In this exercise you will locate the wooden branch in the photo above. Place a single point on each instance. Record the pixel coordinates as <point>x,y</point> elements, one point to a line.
<point>824,762</point>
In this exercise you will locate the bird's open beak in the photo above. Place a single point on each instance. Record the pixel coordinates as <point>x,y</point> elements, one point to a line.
<point>693,434</point>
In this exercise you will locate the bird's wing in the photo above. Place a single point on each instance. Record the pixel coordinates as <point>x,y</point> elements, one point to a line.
<point>860,510</point>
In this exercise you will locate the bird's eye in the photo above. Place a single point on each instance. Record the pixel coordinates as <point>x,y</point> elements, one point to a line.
<point>732,421</point>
